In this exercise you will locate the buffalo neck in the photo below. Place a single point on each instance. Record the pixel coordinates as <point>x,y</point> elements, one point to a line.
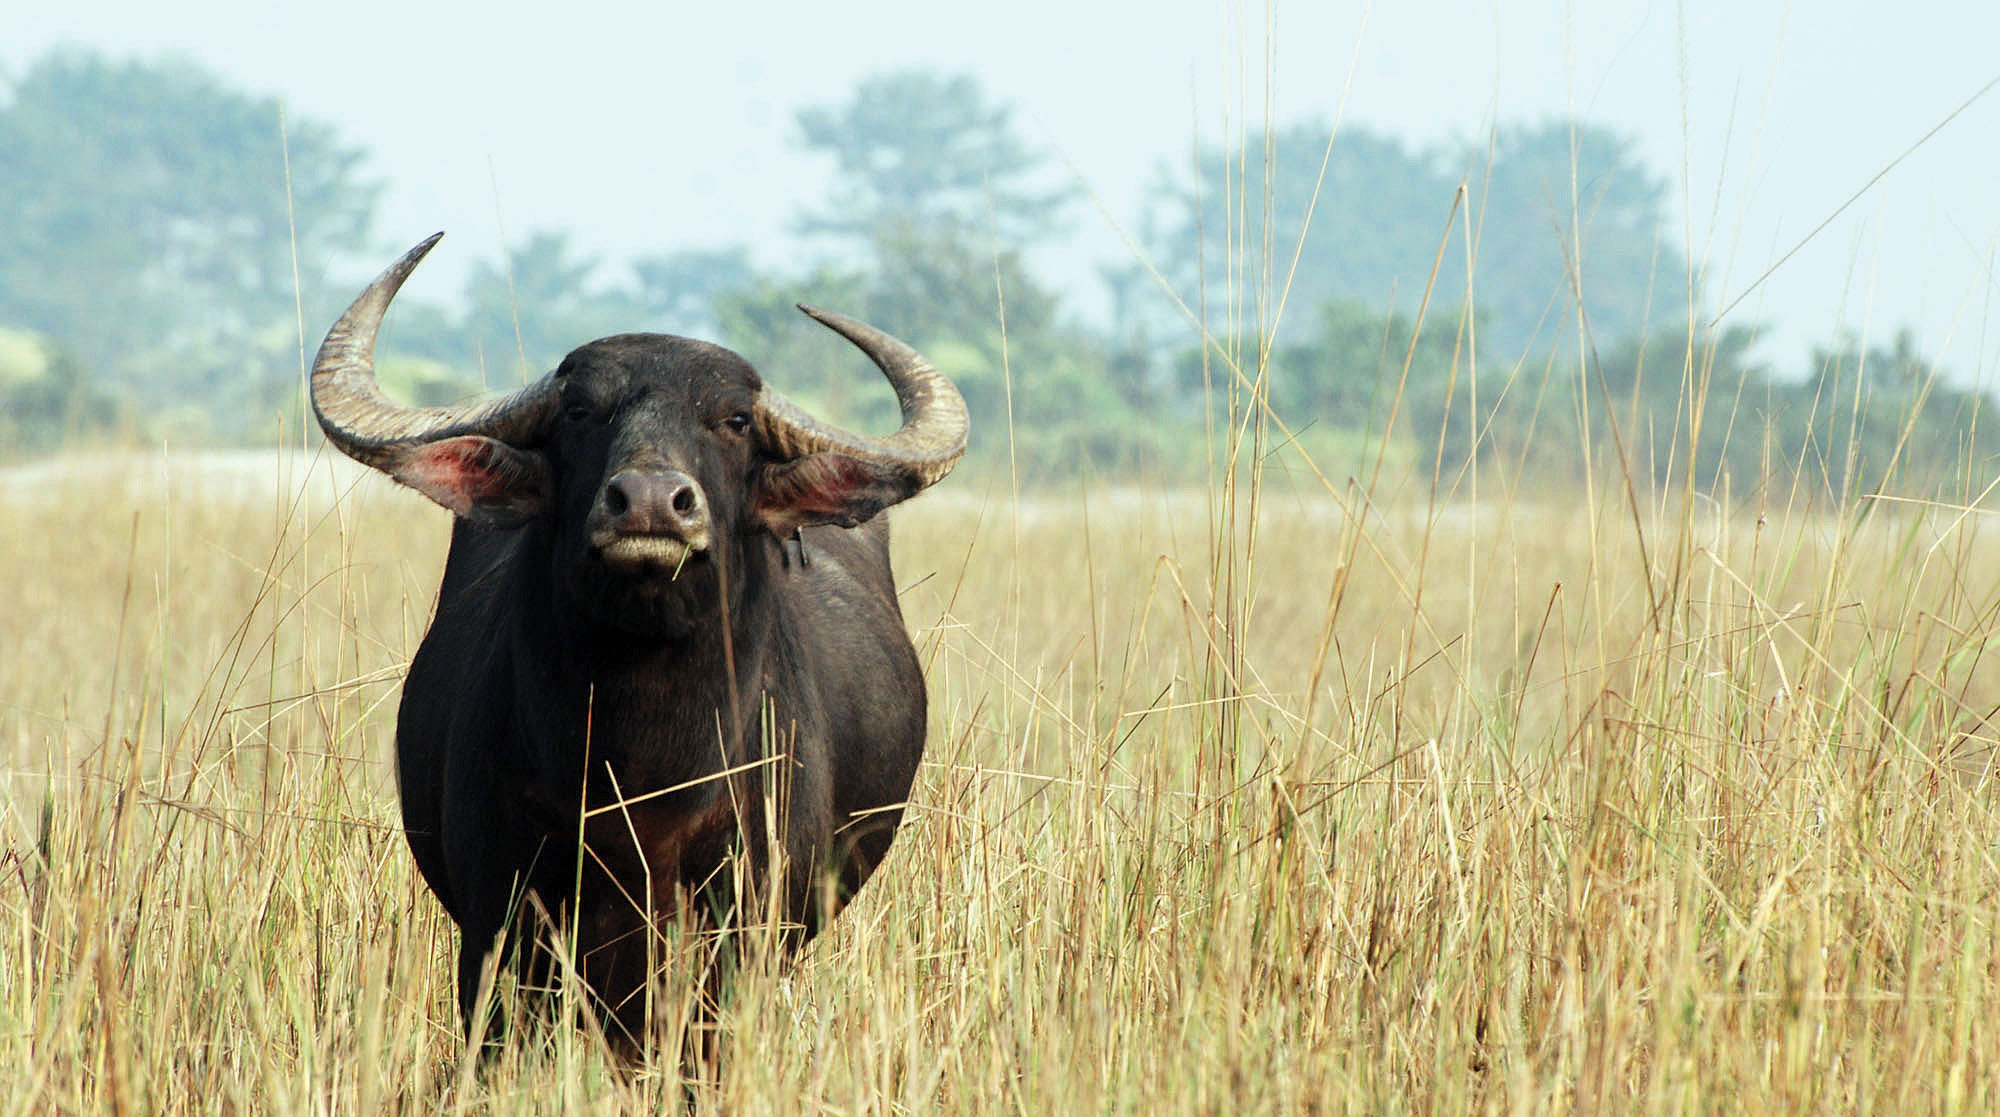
<point>652,712</point>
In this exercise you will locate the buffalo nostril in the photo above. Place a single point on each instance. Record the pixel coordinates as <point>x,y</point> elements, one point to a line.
<point>615,500</point>
<point>686,501</point>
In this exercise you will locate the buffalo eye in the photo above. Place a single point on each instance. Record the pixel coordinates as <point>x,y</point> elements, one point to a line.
<point>576,413</point>
<point>738,422</point>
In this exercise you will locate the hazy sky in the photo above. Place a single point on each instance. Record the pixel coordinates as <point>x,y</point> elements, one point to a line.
<point>650,127</point>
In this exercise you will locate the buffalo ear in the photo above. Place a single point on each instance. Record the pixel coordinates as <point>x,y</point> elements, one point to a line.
<point>480,479</point>
<point>828,488</point>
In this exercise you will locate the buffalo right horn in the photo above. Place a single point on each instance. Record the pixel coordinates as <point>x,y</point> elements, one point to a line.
<point>931,439</point>
<point>369,427</point>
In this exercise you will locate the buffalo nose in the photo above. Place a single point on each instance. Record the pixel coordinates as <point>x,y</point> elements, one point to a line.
<point>646,502</point>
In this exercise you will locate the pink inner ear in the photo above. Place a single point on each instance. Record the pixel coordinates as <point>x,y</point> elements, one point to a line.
<point>824,488</point>
<point>471,473</point>
<point>803,492</point>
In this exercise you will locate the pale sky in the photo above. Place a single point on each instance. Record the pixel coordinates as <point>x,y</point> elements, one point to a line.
<point>645,128</point>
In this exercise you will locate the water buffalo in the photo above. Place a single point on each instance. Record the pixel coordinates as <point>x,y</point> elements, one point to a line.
<point>667,643</point>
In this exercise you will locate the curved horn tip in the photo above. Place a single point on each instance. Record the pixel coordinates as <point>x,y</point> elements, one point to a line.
<point>853,329</point>
<point>392,278</point>
<point>423,248</point>
<point>839,323</point>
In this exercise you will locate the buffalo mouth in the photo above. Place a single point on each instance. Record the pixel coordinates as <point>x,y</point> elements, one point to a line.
<point>650,554</point>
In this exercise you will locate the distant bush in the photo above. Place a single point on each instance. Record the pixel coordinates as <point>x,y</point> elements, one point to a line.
<point>45,399</point>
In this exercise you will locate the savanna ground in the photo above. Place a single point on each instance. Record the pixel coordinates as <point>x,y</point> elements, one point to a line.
<point>1273,796</point>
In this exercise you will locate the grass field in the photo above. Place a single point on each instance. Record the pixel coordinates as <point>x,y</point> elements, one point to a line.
<point>1250,800</point>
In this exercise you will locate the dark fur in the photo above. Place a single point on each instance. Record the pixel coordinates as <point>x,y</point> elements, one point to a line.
<point>536,638</point>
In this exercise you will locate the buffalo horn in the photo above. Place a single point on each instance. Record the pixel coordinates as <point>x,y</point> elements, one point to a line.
<point>368,426</point>
<point>932,438</point>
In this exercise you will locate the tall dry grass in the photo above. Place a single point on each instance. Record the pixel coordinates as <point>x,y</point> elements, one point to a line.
<point>1399,793</point>
<point>1269,798</point>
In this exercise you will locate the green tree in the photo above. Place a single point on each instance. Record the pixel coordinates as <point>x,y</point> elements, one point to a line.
<point>525,314</point>
<point>1860,420</point>
<point>1872,419</point>
<point>45,396</point>
<point>942,197</point>
<point>148,226</point>
<point>1238,230</point>
<point>1340,386</point>
<point>1539,238</point>
<point>930,153</point>
<point>1375,220</point>
<point>678,292</point>
<point>1666,394</point>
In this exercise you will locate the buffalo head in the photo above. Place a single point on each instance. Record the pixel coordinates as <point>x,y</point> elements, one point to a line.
<point>648,457</point>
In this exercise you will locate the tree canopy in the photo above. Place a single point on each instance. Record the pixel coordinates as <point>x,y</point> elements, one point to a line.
<point>150,225</point>
<point>1283,214</point>
<point>1560,206</point>
<point>1260,222</point>
<point>929,152</point>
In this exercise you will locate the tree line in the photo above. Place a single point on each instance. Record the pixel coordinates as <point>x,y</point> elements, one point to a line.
<point>1470,301</point>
